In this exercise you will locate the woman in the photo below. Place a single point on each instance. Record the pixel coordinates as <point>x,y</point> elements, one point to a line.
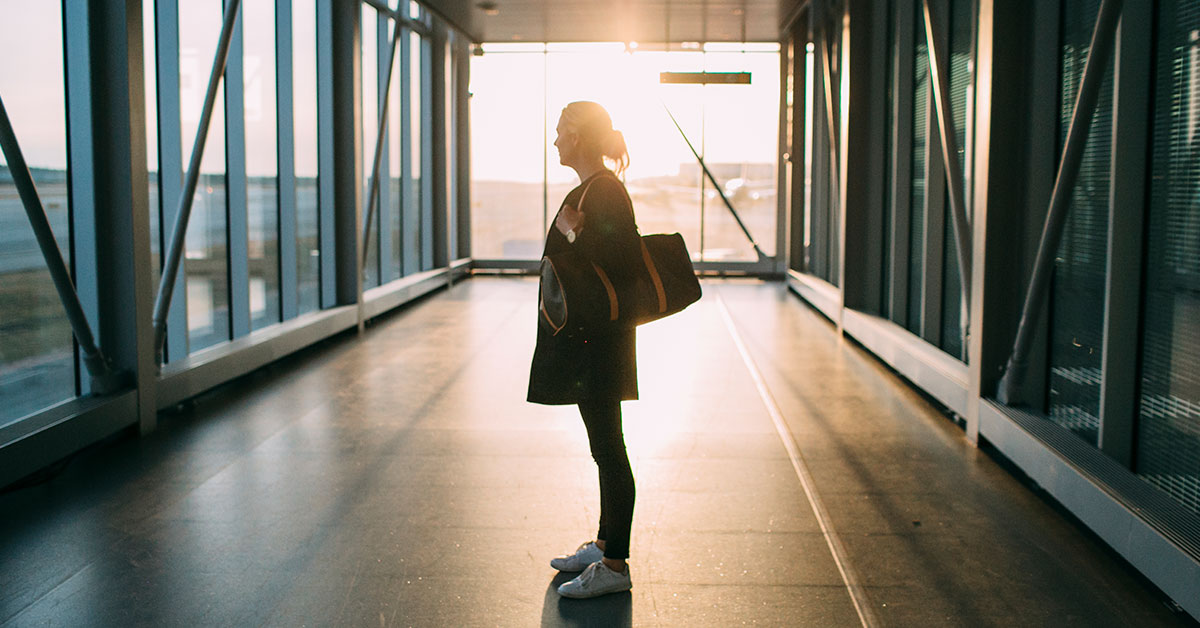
<point>595,370</point>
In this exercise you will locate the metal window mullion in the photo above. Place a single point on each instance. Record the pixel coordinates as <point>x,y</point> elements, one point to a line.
<point>462,121</point>
<point>236,206</point>
<point>783,158</point>
<point>1122,308</point>
<point>170,170</point>
<point>427,220</point>
<point>902,138</point>
<point>327,164</point>
<point>833,126</point>
<point>451,154</point>
<point>81,174</point>
<point>409,209</point>
<point>289,288</point>
<point>934,226</point>
<point>797,149</point>
<point>821,177</point>
<point>386,52</point>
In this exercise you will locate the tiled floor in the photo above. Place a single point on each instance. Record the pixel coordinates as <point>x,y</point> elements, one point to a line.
<point>400,479</point>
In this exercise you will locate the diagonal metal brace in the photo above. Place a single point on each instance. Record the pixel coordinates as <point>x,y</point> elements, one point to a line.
<point>104,379</point>
<point>708,173</point>
<point>174,252</point>
<point>383,120</point>
<point>1060,199</point>
<point>954,176</point>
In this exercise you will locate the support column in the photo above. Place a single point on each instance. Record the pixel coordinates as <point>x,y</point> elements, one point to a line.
<point>440,177</point>
<point>1122,307</point>
<point>863,136</point>
<point>344,171</point>
<point>126,295</point>
<point>462,136</point>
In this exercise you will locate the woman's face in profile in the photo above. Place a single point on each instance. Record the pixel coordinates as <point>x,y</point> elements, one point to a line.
<point>565,143</point>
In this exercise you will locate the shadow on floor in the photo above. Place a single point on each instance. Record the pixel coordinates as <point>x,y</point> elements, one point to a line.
<point>615,609</point>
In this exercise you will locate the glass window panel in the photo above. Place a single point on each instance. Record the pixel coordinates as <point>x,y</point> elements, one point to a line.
<point>1168,435</point>
<point>916,240</point>
<point>37,364</point>
<point>304,110</point>
<point>150,60</point>
<point>370,128</point>
<point>395,166</point>
<point>507,161</point>
<point>426,153</point>
<point>741,143</point>
<point>961,80</point>
<point>205,264</point>
<point>414,203</point>
<point>810,113</point>
<point>262,162</point>
<point>1077,289</point>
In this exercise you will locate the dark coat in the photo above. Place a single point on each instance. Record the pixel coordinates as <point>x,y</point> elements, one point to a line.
<point>574,367</point>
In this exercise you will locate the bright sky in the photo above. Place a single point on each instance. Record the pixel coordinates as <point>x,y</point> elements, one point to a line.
<point>514,92</point>
<point>513,116</point>
<point>32,49</point>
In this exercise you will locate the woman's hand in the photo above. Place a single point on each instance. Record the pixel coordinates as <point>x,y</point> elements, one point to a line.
<point>569,220</point>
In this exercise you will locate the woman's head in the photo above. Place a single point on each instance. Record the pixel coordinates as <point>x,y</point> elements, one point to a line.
<point>586,134</point>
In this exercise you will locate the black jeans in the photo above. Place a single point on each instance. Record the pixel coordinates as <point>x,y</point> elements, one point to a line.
<point>607,441</point>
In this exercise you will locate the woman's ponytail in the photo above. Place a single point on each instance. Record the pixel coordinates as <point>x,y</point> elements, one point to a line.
<point>594,126</point>
<point>616,151</point>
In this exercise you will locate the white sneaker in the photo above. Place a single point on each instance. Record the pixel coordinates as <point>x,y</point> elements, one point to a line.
<point>587,554</point>
<point>596,580</point>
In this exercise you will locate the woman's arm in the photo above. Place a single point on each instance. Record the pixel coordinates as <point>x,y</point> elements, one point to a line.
<point>608,234</point>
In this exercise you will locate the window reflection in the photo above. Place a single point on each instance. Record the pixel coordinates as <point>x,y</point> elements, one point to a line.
<point>262,162</point>
<point>205,262</point>
<point>150,61</point>
<point>370,127</point>
<point>416,222</point>
<point>36,357</point>
<point>395,168</point>
<point>304,110</point>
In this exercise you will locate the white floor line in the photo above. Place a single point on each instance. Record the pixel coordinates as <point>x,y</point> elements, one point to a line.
<point>857,594</point>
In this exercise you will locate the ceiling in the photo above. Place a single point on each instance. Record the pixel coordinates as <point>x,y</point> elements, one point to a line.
<point>649,21</point>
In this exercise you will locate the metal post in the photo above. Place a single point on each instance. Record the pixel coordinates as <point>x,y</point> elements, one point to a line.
<point>954,175</point>
<point>1056,216</point>
<point>103,378</point>
<point>833,217</point>
<point>175,249</point>
<point>757,249</point>
<point>830,123</point>
<point>383,118</point>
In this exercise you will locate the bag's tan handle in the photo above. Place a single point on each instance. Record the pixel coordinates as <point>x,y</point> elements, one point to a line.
<point>654,278</point>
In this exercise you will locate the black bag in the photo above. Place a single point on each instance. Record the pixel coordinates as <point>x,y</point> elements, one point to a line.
<point>575,293</point>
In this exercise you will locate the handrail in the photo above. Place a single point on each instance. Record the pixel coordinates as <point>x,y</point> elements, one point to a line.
<point>104,379</point>
<point>1060,199</point>
<point>170,272</point>
<point>954,174</point>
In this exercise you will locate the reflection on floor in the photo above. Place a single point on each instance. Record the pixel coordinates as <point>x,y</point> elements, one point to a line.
<point>401,479</point>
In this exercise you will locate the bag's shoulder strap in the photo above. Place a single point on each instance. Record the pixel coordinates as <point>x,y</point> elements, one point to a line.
<point>606,173</point>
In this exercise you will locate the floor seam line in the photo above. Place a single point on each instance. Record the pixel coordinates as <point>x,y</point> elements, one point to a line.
<point>866,614</point>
